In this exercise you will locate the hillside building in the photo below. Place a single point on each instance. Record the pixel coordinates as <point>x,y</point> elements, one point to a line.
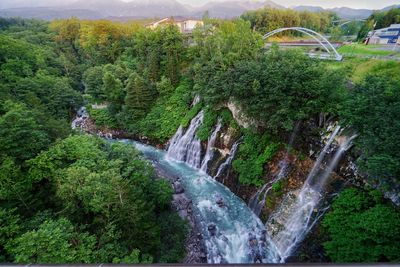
<point>185,25</point>
<point>389,35</point>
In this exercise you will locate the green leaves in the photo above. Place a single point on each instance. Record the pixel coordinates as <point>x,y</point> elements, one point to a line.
<point>254,152</point>
<point>361,229</point>
<point>22,134</point>
<point>373,109</point>
<point>53,242</point>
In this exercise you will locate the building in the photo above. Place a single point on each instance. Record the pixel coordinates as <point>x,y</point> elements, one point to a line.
<point>389,35</point>
<point>185,25</point>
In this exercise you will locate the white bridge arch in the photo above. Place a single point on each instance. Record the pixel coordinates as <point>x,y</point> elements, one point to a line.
<point>332,53</point>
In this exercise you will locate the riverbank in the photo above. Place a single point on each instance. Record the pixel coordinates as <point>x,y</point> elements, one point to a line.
<point>195,248</point>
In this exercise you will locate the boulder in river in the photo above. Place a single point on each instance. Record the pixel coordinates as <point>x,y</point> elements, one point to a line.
<point>212,229</point>
<point>178,188</point>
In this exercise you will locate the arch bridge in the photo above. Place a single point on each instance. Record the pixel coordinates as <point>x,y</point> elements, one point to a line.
<point>342,22</point>
<point>330,50</point>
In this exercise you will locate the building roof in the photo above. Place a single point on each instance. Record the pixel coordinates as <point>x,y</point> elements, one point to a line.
<point>174,19</point>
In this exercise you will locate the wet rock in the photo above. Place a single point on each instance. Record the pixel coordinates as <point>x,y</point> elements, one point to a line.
<point>263,237</point>
<point>212,229</point>
<point>220,202</point>
<point>253,242</point>
<point>178,188</point>
<point>181,202</point>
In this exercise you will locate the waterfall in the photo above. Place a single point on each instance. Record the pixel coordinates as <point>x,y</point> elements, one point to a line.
<point>255,204</point>
<point>210,147</point>
<point>229,159</point>
<point>81,116</point>
<point>321,156</point>
<point>185,146</point>
<point>196,100</point>
<point>296,214</point>
<point>231,232</point>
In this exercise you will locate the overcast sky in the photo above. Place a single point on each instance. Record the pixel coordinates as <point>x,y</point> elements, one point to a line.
<point>369,4</point>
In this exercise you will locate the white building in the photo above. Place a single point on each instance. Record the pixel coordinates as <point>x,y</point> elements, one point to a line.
<point>185,25</point>
<point>389,35</point>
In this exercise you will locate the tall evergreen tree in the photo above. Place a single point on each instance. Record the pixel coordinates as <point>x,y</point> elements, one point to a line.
<point>139,96</point>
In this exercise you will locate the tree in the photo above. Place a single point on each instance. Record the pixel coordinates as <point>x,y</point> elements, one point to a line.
<point>93,81</point>
<point>22,134</point>
<point>139,96</point>
<point>372,108</point>
<point>53,242</point>
<point>174,52</point>
<point>362,229</point>
<point>113,89</point>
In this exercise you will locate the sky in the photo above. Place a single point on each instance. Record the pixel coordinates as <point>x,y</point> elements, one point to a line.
<point>369,4</point>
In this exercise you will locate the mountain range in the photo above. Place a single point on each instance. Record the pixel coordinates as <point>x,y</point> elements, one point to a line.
<point>136,9</point>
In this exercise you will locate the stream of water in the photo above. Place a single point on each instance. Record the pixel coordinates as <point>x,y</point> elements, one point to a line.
<point>233,233</point>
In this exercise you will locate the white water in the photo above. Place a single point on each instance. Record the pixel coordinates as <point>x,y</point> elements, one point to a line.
<point>297,213</point>
<point>210,147</point>
<point>81,115</point>
<point>229,159</point>
<point>255,204</point>
<point>232,233</point>
<point>185,146</point>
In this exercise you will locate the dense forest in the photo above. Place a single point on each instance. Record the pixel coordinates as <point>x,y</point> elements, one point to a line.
<point>67,197</point>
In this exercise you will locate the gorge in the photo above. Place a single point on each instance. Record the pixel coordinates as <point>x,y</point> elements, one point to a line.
<point>231,229</point>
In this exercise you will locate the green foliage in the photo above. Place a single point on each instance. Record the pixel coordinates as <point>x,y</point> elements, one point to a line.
<point>362,229</point>
<point>372,109</point>
<point>269,19</point>
<point>167,113</point>
<point>224,44</point>
<point>254,152</point>
<point>102,117</point>
<point>208,125</point>
<point>277,187</point>
<point>276,89</point>
<point>10,227</point>
<point>112,188</point>
<point>191,114</point>
<point>139,96</point>
<point>53,242</point>
<point>93,81</point>
<point>172,242</point>
<point>23,135</point>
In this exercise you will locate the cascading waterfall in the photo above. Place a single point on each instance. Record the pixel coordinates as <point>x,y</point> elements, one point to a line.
<point>222,168</point>
<point>294,218</point>
<point>185,146</point>
<point>255,204</point>
<point>210,147</point>
<point>232,233</point>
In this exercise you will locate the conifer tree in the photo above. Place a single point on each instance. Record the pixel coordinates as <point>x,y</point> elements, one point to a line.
<point>139,96</point>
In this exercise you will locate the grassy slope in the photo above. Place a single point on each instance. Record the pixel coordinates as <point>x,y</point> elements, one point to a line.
<point>365,50</point>
<point>358,68</point>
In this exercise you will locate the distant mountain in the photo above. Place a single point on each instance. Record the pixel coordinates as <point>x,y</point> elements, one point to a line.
<point>309,8</point>
<point>350,13</point>
<point>49,13</point>
<point>230,9</point>
<point>33,3</point>
<point>155,8</point>
<point>390,7</point>
<point>343,12</point>
<point>104,7</point>
<point>94,9</point>
<point>120,10</point>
